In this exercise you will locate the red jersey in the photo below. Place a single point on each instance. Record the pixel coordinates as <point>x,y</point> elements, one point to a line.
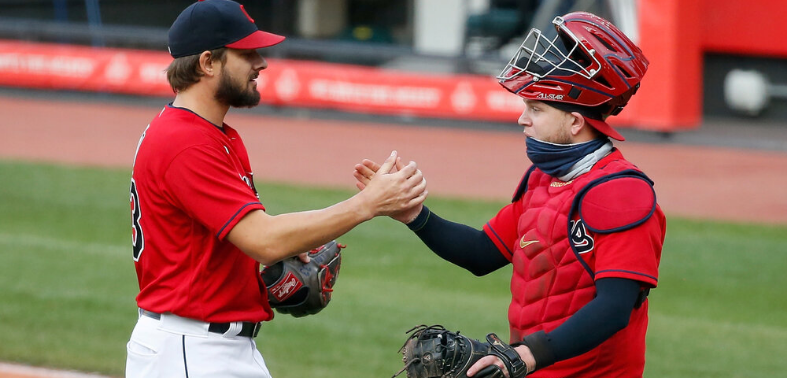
<point>191,183</point>
<point>560,237</point>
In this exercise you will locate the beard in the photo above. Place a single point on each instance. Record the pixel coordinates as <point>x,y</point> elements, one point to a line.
<point>234,94</point>
<point>563,136</point>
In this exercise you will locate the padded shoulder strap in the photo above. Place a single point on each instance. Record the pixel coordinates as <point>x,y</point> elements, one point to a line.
<point>612,203</point>
<point>522,188</point>
<point>616,202</point>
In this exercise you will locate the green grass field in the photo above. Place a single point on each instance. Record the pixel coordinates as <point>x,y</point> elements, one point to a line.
<point>67,286</point>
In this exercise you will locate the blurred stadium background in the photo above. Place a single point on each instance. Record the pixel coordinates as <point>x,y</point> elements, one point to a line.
<point>425,58</point>
<point>718,79</point>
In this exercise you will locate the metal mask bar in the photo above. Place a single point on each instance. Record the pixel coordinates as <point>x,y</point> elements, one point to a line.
<point>544,56</point>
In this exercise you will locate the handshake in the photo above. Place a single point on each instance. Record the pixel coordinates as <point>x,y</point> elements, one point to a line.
<point>367,173</point>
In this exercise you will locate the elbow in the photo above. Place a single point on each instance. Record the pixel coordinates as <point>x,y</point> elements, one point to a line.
<point>481,268</point>
<point>478,272</point>
<point>265,255</point>
<point>619,320</point>
<point>267,248</point>
<point>266,260</point>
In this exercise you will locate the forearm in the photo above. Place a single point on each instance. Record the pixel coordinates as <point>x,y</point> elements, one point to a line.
<point>269,239</point>
<point>459,244</point>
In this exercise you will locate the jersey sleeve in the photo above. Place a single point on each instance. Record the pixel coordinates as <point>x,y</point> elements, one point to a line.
<point>634,253</point>
<point>502,229</point>
<point>204,183</point>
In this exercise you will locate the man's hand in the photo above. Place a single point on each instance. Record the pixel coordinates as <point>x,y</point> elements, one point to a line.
<point>367,170</point>
<point>481,369</point>
<point>304,257</point>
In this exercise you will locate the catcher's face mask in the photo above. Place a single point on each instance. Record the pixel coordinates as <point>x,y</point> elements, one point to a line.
<point>588,62</point>
<point>563,55</point>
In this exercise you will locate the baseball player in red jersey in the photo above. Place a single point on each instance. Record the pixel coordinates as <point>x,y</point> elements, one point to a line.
<point>584,232</point>
<point>200,232</point>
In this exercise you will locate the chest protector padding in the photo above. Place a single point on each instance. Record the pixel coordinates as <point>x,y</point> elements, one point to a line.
<point>551,279</point>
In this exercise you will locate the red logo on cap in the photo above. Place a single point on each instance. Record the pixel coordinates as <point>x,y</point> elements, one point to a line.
<point>246,13</point>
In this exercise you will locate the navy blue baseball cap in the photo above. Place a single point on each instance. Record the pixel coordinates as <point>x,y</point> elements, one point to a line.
<point>212,24</point>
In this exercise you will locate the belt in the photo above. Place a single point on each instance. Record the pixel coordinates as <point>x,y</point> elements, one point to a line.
<point>248,329</point>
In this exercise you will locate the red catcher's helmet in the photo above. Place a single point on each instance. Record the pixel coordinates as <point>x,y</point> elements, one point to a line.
<point>590,63</point>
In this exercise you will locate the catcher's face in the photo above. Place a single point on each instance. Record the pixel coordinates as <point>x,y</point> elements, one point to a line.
<point>545,123</point>
<point>238,83</point>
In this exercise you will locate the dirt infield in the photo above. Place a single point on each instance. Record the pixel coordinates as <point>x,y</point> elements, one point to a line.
<point>691,181</point>
<point>19,371</point>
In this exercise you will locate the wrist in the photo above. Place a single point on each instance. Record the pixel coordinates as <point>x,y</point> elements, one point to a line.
<point>408,216</point>
<point>417,223</point>
<point>527,356</point>
<point>362,207</point>
<point>539,349</point>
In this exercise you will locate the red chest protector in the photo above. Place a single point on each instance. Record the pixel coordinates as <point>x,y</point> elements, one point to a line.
<point>554,258</point>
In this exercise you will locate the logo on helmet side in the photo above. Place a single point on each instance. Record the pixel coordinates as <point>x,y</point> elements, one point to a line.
<point>551,96</point>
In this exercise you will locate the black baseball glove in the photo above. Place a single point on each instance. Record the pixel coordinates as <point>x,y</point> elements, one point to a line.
<point>434,352</point>
<point>302,289</point>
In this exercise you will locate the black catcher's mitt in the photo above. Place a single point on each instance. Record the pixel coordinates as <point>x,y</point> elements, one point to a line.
<point>434,352</point>
<point>302,289</point>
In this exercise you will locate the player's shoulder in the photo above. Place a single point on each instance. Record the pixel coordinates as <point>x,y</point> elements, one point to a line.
<point>617,202</point>
<point>176,118</point>
<point>181,127</point>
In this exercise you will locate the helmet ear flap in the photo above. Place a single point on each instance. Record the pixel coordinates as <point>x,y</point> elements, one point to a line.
<point>616,106</point>
<point>635,89</point>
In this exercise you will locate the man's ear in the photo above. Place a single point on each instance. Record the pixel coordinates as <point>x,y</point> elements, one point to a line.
<point>206,63</point>
<point>577,123</point>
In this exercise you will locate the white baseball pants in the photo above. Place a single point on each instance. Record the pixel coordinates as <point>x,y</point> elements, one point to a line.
<point>176,347</point>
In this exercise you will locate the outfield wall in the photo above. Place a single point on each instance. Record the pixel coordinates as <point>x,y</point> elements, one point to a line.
<point>285,82</point>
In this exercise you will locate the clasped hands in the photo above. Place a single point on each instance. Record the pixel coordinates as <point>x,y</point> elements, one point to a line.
<point>412,182</point>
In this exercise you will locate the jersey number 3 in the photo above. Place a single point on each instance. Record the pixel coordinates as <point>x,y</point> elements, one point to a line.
<point>137,236</point>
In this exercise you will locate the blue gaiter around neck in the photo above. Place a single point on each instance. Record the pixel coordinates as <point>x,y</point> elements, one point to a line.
<point>557,159</point>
